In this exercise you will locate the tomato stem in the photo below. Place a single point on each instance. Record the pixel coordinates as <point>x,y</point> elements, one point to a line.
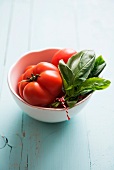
<point>32,78</point>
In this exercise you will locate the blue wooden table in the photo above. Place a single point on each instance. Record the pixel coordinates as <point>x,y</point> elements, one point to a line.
<point>86,142</point>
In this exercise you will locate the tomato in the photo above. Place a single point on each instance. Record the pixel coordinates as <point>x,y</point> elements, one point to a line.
<point>20,79</point>
<point>43,66</point>
<point>51,80</point>
<point>28,67</point>
<point>64,54</point>
<point>27,74</point>
<point>41,84</point>
<point>35,94</point>
<point>22,85</point>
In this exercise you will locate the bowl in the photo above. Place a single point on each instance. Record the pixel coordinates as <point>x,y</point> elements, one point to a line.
<point>50,115</point>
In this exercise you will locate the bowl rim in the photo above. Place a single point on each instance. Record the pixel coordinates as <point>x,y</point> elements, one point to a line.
<point>29,105</point>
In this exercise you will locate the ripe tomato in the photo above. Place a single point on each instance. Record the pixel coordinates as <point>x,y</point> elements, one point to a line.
<point>35,94</point>
<point>21,86</point>
<point>27,74</point>
<point>28,67</point>
<point>64,54</point>
<point>20,79</point>
<point>40,84</point>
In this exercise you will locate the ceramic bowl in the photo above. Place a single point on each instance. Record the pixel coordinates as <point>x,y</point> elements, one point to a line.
<point>51,115</point>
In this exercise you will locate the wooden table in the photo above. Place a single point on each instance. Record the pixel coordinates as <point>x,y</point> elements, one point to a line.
<point>86,142</point>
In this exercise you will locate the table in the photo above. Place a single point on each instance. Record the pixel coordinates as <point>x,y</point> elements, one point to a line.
<point>86,142</point>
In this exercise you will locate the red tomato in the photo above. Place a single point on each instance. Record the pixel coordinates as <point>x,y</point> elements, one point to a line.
<point>64,54</point>
<point>28,67</point>
<point>20,79</point>
<point>41,84</point>
<point>22,85</point>
<point>35,94</point>
<point>43,66</point>
<point>51,80</point>
<point>28,73</point>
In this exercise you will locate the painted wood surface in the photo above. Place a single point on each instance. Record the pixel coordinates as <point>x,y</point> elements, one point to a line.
<point>86,142</point>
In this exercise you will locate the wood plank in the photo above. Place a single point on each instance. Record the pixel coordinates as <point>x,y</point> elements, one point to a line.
<point>55,146</point>
<point>53,25</point>
<point>95,30</point>
<point>4,34</point>
<point>11,121</point>
<point>5,19</point>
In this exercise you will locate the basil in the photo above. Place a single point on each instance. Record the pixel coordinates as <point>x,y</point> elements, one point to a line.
<point>98,67</point>
<point>81,65</point>
<point>92,84</point>
<point>80,77</point>
<point>67,76</point>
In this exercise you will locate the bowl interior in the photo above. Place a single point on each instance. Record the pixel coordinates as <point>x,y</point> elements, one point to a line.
<point>30,58</point>
<point>36,112</point>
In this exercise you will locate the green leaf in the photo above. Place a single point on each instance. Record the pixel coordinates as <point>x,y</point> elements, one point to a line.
<point>84,66</point>
<point>71,103</point>
<point>76,75</point>
<point>70,87</point>
<point>66,72</point>
<point>98,67</point>
<point>55,104</point>
<point>92,84</point>
<point>67,76</point>
<point>74,60</point>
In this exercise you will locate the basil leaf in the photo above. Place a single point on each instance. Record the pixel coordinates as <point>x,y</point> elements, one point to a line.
<point>55,104</point>
<point>81,65</point>
<point>98,67</point>
<point>80,75</point>
<point>92,84</point>
<point>71,103</point>
<point>66,72</point>
<point>74,60</point>
<point>84,66</point>
<point>67,76</point>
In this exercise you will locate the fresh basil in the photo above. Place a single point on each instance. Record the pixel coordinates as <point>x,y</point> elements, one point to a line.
<point>81,65</point>
<point>98,67</point>
<point>80,76</point>
<point>74,60</point>
<point>92,84</point>
<point>66,72</point>
<point>71,103</point>
<point>67,76</point>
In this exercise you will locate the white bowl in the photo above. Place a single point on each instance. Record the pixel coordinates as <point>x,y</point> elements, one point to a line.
<point>44,114</point>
